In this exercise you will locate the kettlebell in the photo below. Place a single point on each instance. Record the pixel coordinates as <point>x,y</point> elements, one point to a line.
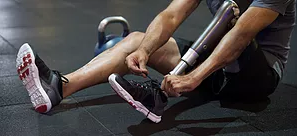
<point>106,42</point>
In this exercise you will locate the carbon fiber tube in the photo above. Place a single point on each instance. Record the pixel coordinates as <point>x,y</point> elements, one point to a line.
<point>224,19</point>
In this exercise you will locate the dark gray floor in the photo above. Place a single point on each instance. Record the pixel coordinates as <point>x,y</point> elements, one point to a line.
<point>64,34</point>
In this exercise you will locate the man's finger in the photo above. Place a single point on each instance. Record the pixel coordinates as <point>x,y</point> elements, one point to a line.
<point>133,66</point>
<point>163,85</point>
<point>168,85</point>
<point>176,87</point>
<point>143,75</point>
<point>142,67</point>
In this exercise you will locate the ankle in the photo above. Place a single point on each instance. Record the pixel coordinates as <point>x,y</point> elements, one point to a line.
<point>65,90</point>
<point>65,86</point>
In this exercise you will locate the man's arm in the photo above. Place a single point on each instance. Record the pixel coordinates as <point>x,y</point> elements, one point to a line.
<point>165,23</point>
<point>235,41</point>
<point>158,33</point>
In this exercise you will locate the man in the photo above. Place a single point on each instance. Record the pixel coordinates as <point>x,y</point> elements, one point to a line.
<point>255,76</point>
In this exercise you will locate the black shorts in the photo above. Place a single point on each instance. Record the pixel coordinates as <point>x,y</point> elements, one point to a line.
<point>256,80</point>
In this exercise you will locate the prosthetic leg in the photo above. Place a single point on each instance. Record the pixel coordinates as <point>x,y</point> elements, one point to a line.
<point>224,19</point>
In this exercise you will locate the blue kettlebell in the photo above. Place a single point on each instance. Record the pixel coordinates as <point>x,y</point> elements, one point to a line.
<point>106,42</point>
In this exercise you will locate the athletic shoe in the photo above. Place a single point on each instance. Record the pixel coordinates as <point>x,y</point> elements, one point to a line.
<point>146,97</point>
<point>43,85</point>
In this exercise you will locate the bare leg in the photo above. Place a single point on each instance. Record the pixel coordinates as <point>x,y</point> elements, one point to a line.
<point>166,58</point>
<point>100,67</point>
<point>113,61</point>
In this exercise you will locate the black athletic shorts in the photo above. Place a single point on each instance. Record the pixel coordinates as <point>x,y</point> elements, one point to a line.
<point>255,80</point>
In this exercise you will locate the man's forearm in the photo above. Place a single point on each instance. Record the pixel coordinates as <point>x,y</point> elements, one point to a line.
<point>164,25</point>
<point>228,50</point>
<point>158,33</point>
<point>235,41</point>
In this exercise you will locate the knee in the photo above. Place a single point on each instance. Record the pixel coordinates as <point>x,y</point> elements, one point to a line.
<point>135,36</point>
<point>129,43</point>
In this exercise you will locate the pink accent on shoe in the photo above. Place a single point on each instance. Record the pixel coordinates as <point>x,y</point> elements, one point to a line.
<point>41,109</point>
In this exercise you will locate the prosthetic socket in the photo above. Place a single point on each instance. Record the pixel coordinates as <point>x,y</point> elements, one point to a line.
<point>224,19</point>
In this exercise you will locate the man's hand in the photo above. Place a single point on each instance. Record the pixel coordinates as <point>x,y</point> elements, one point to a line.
<point>136,63</point>
<point>173,85</point>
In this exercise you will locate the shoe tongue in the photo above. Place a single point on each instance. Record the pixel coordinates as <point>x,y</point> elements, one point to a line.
<point>42,68</point>
<point>157,86</point>
<point>56,76</point>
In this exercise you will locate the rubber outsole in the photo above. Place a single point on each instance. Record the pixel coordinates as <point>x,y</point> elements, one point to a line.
<point>28,73</point>
<point>135,104</point>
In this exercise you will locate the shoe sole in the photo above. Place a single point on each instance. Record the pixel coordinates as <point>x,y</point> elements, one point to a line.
<point>127,97</point>
<point>28,73</point>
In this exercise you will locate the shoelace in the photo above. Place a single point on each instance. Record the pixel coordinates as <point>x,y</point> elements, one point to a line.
<point>64,79</point>
<point>145,88</point>
<point>151,84</point>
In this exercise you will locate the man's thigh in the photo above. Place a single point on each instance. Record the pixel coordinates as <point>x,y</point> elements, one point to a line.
<point>256,80</point>
<point>166,57</point>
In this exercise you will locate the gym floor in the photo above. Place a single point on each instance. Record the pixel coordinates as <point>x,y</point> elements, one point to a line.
<point>64,33</point>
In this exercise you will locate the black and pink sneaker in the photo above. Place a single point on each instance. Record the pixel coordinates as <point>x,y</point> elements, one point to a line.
<point>43,85</point>
<point>146,97</point>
